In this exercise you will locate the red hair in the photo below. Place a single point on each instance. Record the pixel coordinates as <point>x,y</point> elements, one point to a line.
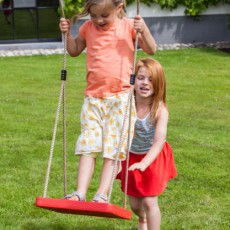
<point>156,72</point>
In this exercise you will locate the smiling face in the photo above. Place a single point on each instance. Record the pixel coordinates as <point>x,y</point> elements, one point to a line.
<point>104,14</point>
<point>150,84</point>
<point>144,83</point>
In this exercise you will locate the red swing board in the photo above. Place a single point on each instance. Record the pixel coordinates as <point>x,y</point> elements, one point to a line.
<point>83,208</point>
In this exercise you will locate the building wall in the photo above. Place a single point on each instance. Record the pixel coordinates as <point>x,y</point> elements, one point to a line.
<point>169,27</point>
<point>174,27</point>
<point>181,29</point>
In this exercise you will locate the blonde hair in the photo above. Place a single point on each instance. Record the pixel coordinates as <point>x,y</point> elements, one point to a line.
<point>156,72</point>
<point>108,3</point>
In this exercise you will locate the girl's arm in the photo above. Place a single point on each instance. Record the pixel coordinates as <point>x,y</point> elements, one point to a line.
<point>145,38</point>
<point>158,142</point>
<point>74,46</point>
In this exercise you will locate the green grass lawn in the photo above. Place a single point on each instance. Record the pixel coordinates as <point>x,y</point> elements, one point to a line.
<point>198,93</point>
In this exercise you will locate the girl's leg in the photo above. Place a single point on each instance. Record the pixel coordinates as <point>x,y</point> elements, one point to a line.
<point>138,209</point>
<point>106,177</point>
<point>152,211</point>
<point>85,172</point>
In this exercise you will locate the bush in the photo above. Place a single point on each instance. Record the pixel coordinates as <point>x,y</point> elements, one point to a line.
<point>193,7</point>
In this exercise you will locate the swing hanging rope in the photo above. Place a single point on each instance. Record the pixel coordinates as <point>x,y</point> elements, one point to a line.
<point>128,108</point>
<point>61,99</point>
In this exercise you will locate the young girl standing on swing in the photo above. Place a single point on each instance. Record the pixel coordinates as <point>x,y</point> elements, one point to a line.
<point>109,39</point>
<point>151,162</point>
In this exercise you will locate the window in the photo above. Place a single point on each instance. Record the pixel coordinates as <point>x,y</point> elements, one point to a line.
<point>29,21</point>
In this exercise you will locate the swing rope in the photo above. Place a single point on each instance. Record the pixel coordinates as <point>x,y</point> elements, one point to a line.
<point>63,78</point>
<point>60,99</point>
<point>132,81</point>
<point>128,108</point>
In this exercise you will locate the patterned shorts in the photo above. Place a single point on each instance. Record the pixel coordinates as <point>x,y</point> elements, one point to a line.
<point>101,126</point>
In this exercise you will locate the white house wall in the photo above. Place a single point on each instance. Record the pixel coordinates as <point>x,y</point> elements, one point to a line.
<point>169,27</point>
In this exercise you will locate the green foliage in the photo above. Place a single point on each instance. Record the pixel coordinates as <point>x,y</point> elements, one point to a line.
<point>193,7</point>
<point>71,7</point>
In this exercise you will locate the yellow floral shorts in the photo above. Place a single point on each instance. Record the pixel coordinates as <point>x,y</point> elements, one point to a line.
<point>101,126</point>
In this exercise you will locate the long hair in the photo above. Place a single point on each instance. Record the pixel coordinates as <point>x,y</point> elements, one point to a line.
<point>108,3</point>
<point>156,72</point>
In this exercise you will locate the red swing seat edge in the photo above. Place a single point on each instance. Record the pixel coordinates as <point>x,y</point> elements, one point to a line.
<point>83,208</point>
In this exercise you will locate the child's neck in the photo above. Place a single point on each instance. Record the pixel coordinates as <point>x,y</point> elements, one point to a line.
<point>142,107</point>
<point>142,110</point>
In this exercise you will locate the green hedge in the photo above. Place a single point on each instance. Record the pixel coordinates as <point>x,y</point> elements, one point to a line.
<point>192,7</point>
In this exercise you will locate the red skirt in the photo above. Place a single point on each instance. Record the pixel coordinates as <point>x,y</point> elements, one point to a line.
<point>153,181</point>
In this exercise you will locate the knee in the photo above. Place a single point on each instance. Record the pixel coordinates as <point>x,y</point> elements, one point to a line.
<point>151,205</point>
<point>136,209</point>
<point>152,208</point>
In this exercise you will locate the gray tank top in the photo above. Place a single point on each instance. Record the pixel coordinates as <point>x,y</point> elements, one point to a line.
<point>143,136</point>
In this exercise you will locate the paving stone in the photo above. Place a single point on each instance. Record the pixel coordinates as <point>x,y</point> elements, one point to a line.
<point>57,48</point>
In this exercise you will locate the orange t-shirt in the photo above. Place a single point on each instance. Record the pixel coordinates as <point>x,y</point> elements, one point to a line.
<point>109,58</point>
